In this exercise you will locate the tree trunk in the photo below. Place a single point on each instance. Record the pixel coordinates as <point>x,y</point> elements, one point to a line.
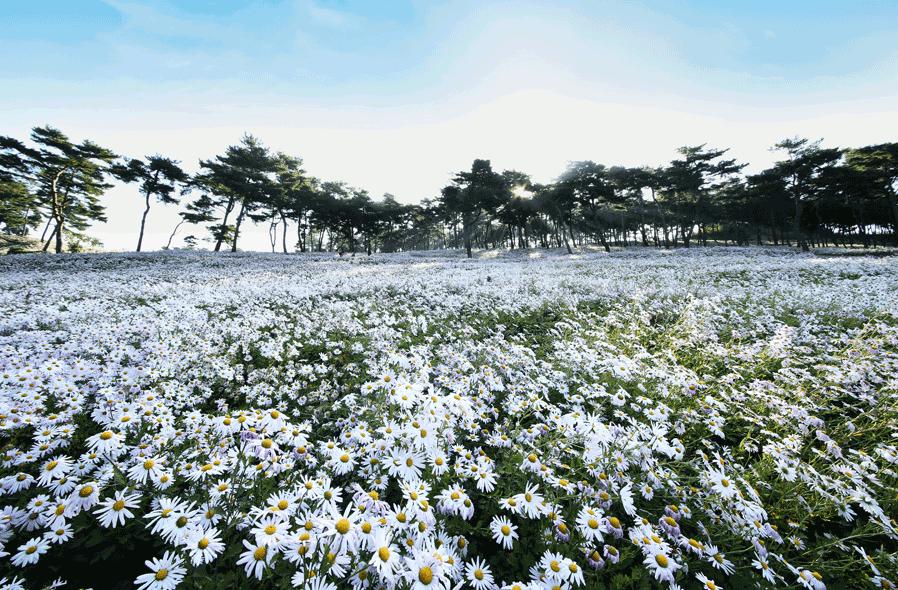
<point>466,235</point>
<point>143,222</point>
<point>284,233</point>
<point>893,205</point>
<point>50,239</point>
<point>172,236</point>
<point>300,235</point>
<point>796,226</point>
<point>224,224</point>
<point>567,244</point>
<point>58,211</point>
<point>603,241</point>
<point>59,229</point>
<point>237,226</point>
<point>46,227</point>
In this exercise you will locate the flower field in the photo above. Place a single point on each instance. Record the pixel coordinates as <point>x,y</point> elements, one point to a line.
<point>715,418</point>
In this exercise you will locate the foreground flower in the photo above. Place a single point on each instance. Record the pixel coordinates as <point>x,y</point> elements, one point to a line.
<point>165,573</point>
<point>504,532</point>
<point>114,511</point>
<point>478,574</point>
<point>204,545</point>
<point>30,552</point>
<point>255,559</point>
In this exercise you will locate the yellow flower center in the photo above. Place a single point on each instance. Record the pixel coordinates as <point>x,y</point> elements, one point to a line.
<point>259,554</point>
<point>161,575</point>
<point>342,526</point>
<point>425,575</point>
<point>384,553</point>
<point>661,560</point>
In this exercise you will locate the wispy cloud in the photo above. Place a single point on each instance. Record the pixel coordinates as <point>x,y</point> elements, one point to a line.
<point>330,17</point>
<point>155,20</point>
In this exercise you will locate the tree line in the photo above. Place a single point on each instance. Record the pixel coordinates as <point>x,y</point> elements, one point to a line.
<point>813,195</point>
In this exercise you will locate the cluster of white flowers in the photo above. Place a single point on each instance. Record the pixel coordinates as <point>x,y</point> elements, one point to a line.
<point>698,418</point>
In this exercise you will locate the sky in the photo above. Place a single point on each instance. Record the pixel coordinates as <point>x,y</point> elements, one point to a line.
<point>398,95</point>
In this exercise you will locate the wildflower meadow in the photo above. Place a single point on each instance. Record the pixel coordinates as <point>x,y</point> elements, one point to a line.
<point>723,418</point>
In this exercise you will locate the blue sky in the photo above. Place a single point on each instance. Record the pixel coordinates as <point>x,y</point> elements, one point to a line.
<point>395,96</point>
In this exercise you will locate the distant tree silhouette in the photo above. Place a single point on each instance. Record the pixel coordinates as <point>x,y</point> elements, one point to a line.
<point>157,177</point>
<point>65,181</point>
<point>812,195</point>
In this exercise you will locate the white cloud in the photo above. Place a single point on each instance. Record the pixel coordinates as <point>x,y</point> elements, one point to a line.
<point>329,17</point>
